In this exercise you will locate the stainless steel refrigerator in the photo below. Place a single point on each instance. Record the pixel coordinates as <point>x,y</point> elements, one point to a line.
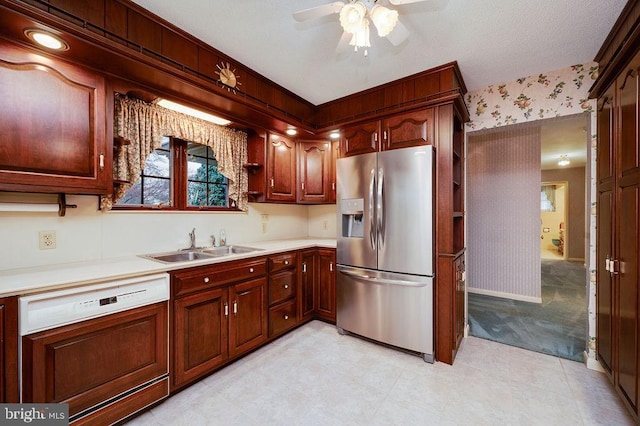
<point>384,286</point>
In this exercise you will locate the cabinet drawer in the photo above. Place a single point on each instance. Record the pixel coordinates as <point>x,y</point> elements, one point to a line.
<point>194,279</point>
<point>283,261</point>
<point>281,286</point>
<point>282,318</point>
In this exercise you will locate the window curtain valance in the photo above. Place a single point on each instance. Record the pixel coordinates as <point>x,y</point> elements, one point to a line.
<point>144,124</point>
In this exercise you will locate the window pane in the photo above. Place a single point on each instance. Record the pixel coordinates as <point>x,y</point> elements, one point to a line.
<point>158,164</point>
<point>156,191</point>
<point>197,168</point>
<point>133,195</point>
<point>218,195</point>
<point>197,194</point>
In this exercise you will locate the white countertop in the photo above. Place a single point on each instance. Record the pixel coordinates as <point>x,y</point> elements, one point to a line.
<point>42,278</point>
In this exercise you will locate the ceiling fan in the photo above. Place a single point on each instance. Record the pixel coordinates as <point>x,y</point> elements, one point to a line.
<point>354,19</point>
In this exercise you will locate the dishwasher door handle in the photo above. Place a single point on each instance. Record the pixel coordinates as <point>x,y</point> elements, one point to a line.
<point>377,280</point>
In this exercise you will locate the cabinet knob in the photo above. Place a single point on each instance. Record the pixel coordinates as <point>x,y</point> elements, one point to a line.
<point>286,262</point>
<point>286,316</point>
<point>286,286</point>
<point>250,269</point>
<point>206,279</point>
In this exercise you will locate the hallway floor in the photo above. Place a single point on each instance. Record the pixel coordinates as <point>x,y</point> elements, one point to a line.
<point>557,327</point>
<point>314,376</point>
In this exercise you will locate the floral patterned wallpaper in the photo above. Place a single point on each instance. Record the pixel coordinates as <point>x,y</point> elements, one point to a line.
<point>547,95</point>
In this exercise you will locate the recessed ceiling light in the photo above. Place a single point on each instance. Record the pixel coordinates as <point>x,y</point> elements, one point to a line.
<point>334,135</point>
<point>291,132</point>
<point>46,39</point>
<point>193,112</point>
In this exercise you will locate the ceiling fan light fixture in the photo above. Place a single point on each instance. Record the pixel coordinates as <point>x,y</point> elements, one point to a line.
<point>564,160</point>
<point>353,16</point>
<point>361,37</point>
<point>384,19</point>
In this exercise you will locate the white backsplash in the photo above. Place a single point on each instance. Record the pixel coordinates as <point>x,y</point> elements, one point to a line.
<point>85,233</point>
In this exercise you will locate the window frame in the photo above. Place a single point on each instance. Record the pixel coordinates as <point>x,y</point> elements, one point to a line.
<point>179,185</point>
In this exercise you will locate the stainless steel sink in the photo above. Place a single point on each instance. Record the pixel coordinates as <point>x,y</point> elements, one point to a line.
<point>229,250</point>
<point>179,256</point>
<point>198,254</point>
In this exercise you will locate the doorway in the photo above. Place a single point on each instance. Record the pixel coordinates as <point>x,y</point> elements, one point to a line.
<point>550,316</point>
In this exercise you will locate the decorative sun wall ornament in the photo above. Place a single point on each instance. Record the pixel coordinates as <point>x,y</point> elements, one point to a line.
<point>227,76</point>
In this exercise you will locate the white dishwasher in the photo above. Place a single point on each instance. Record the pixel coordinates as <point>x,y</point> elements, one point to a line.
<point>102,349</point>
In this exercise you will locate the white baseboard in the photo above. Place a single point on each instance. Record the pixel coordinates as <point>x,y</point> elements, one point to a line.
<point>503,295</point>
<point>591,363</point>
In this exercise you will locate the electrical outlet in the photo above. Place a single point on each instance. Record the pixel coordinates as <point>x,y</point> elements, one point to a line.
<point>264,227</point>
<point>265,217</point>
<point>325,225</point>
<point>47,240</point>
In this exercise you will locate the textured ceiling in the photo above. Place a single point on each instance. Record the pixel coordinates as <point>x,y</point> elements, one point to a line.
<point>492,40</point>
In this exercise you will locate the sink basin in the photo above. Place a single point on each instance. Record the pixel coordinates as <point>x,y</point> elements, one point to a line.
<point>228,250</point>
<point>179,256</point>
<point>198,254</point>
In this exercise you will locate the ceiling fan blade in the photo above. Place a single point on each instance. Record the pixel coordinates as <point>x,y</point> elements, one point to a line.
<point>401,2</point>
<point>399,34</point>
<point>318,12</point>
<point>343,44</point>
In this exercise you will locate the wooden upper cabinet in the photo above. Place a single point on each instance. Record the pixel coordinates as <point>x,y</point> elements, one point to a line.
<point>360,139</point>
<point>52,117</point>
<point>314,172</point>
<point>398,131</point>
<point>281,166</point>
<point>406,130</point>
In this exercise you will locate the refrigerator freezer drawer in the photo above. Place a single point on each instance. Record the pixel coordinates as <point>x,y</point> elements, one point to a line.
<point>395,309</point>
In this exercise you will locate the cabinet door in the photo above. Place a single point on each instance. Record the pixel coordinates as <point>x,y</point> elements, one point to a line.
<point>248,317</point>
<point>627,192</point>
<point>326,298</point>
<point>335,154</point>
<point>459,306</point>
<point>405,130</point>
<point>314,172</point>
<point>360,139</point>
<point>9,350</point>
<point>604,229</point>
<point>52,117</point>
<point>281,159</point>
<point>90,362</point>
<point>306,296</point>
<point>200,334</point>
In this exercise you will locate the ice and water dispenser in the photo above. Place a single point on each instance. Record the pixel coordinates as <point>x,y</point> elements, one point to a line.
<point>352,212</point>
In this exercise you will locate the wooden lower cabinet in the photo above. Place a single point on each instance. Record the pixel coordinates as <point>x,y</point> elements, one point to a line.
<point>200,334</point>
<point>87,363</point>
<point>248,317</point>
<point>326,292</point>
<point>9,351</point>
<point>307,286</point>
<point>219,312</point>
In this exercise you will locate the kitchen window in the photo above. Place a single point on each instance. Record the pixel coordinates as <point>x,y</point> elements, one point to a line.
<point>179,175</point>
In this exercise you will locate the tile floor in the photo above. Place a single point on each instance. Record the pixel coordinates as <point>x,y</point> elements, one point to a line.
<point>314,376</point>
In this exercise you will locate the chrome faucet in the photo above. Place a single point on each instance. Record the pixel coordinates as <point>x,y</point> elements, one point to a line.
<point>192,235</point>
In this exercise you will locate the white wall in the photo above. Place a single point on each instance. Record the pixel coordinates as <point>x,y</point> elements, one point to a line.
<point>85,233</point>
<point>322,221</point>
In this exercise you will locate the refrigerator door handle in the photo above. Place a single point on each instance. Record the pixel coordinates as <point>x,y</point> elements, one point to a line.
<point>372,227</point>
<point>380,228</point>
<point>377,280</point>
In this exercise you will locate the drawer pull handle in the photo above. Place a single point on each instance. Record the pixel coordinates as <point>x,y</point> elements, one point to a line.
<point>250,269</point>
<point>286,262</point>
<point>286,316</point>
<point>286,286</point>
<point>206,279</point>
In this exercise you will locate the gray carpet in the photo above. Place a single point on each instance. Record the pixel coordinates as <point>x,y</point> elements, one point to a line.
<point>557,327</point>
